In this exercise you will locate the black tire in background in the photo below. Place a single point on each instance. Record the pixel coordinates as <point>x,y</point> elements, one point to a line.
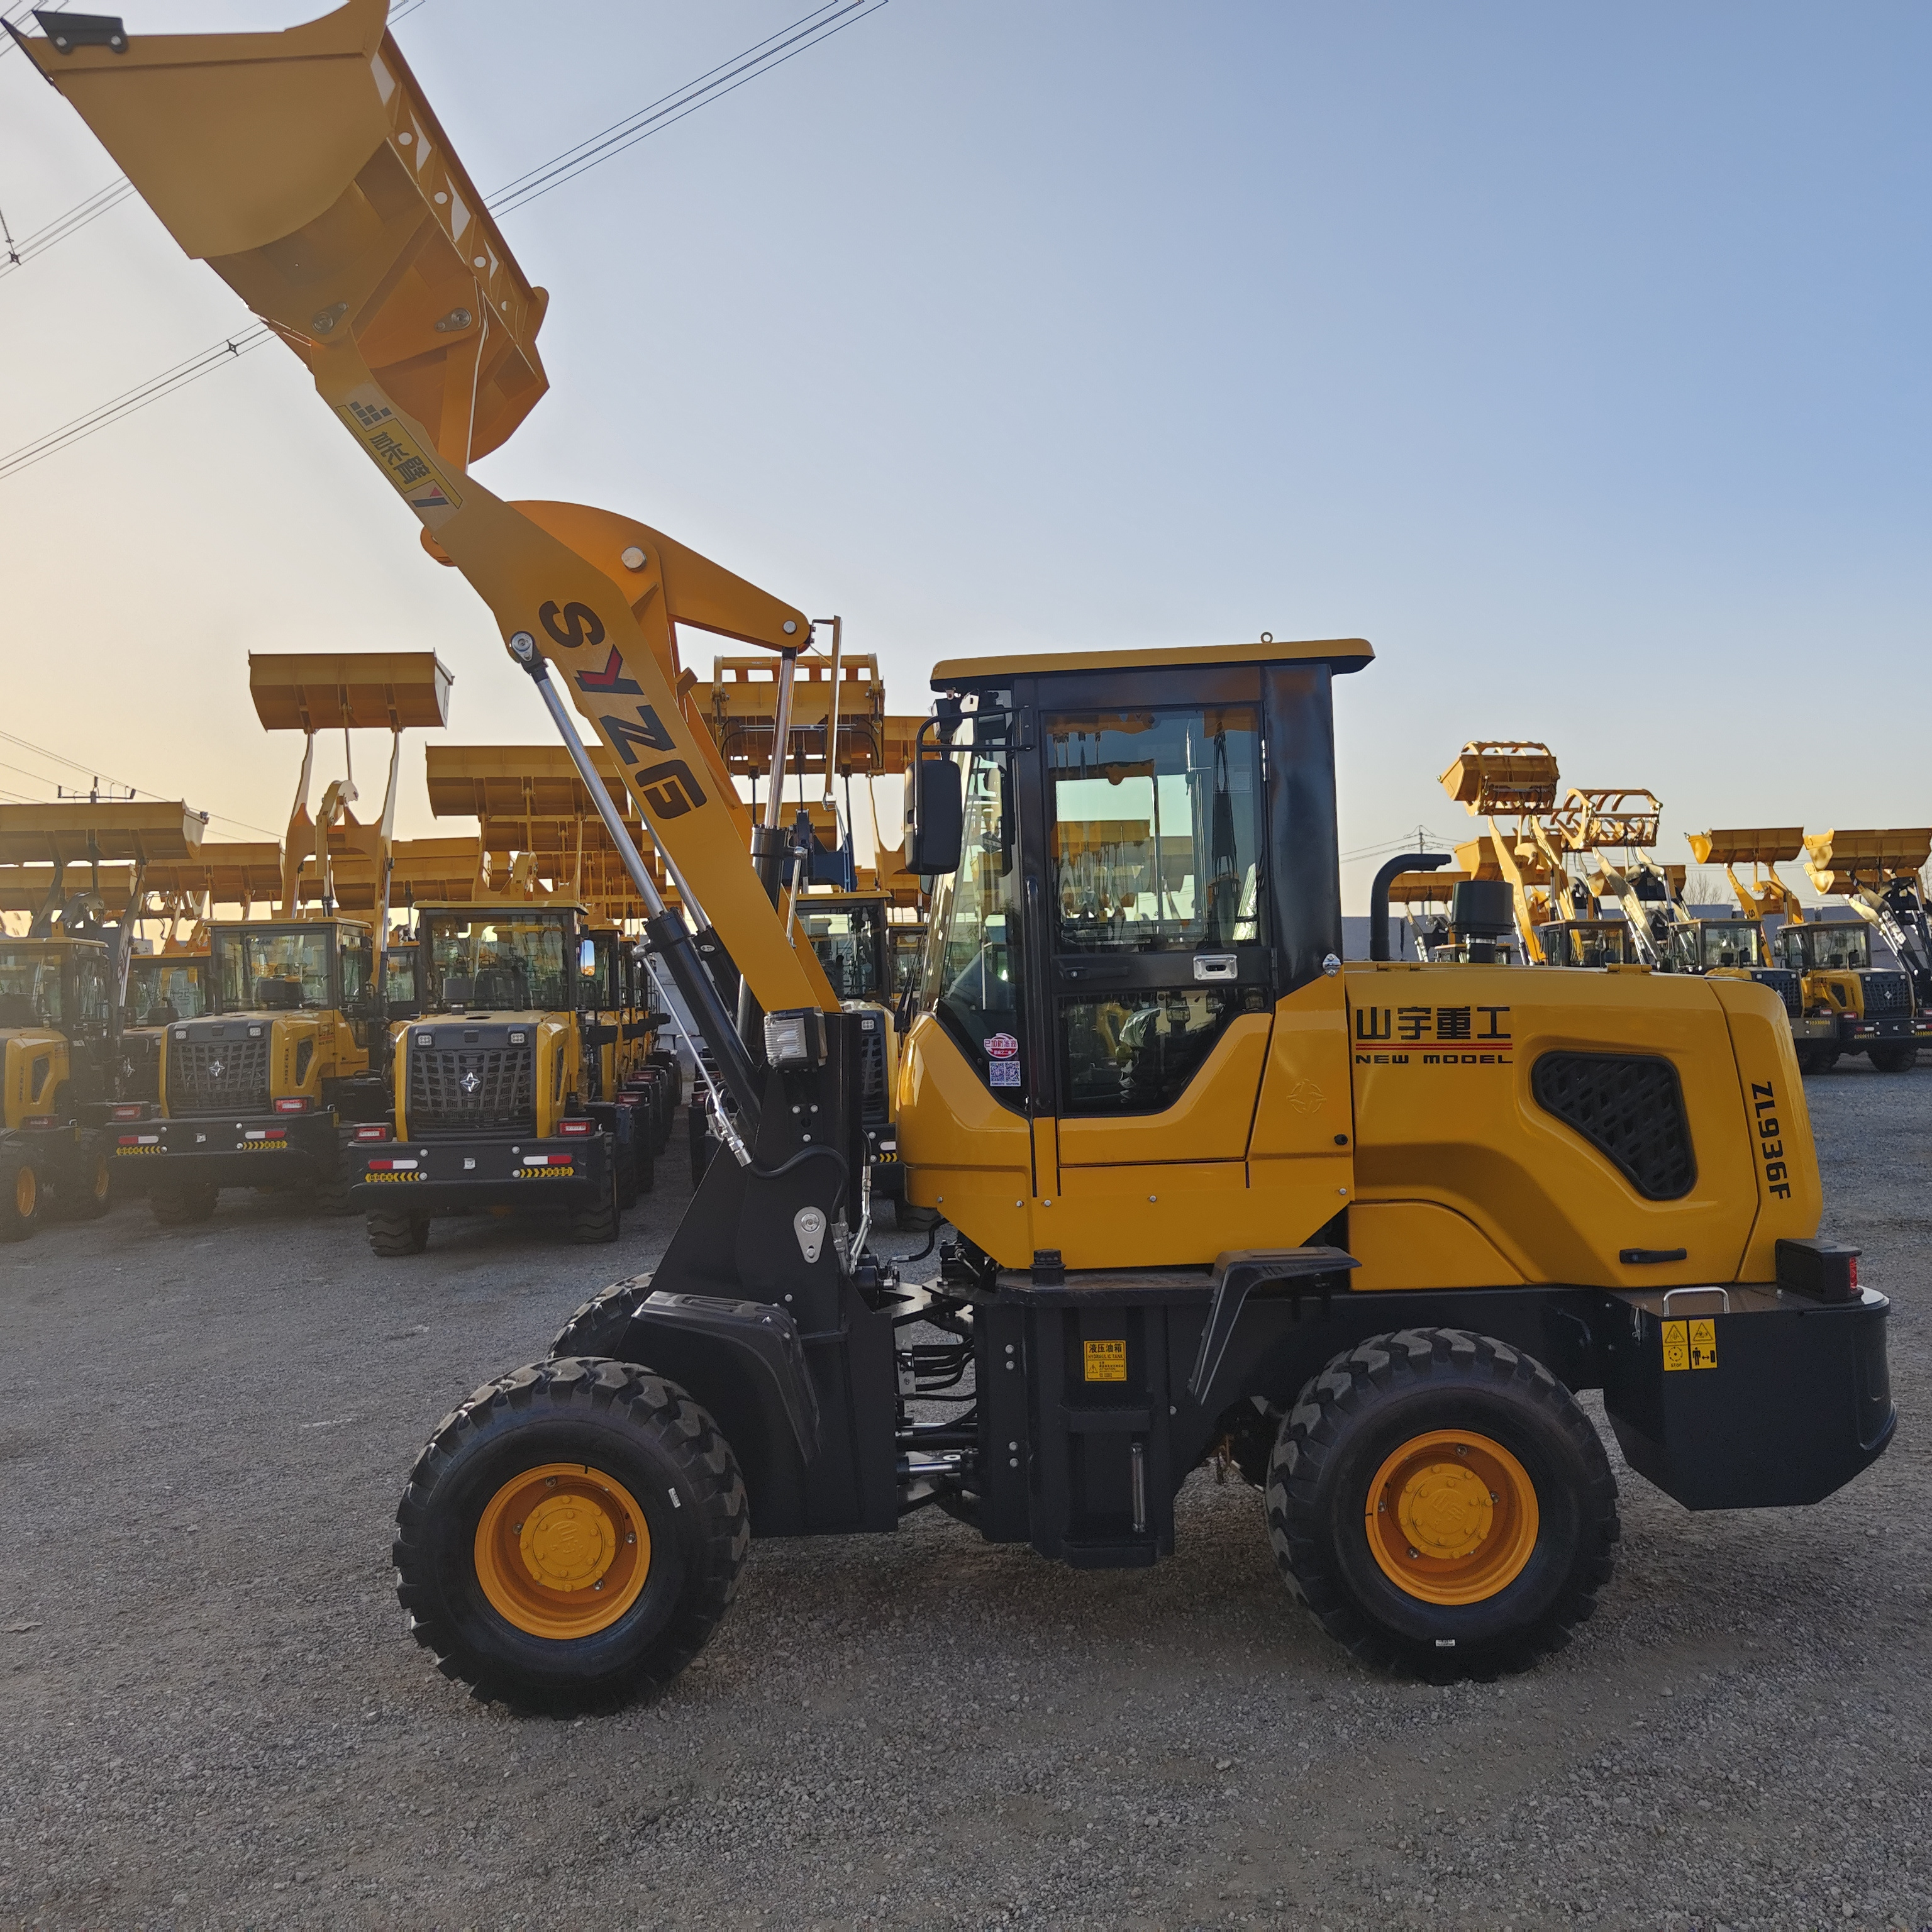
<point>596,1221</point>
<point>614,1422</point>
<point>21,1194</point>
<point>1899,1058</point>
<point>393,1233</point>
<point>176,1204</point>
<point>85,1189</point>
<point>1358,1417</point>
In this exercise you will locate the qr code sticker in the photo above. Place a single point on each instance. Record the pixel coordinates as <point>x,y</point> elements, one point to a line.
<point>1004,1073</point>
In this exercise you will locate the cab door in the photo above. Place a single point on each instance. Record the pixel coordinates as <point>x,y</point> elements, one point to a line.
<point>1153,922</point>
<point>89,1032</point>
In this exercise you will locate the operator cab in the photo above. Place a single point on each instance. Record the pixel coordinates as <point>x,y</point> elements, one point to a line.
<point>54,995</point>
<point>308,966</point>
<point>1587,942</point>
<point>479,960</point>
<point>1148,853</point>
<point>1715,946</point>
<point>1826,945</point>
<point>164,987</point>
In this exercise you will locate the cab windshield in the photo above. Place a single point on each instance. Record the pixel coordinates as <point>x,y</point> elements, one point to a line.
<point>1730,943</point>
<point>1832,946</point>
<point>1602,944</point>
<point>273,967</point>
<point>161,990</point>
<point>30,987</point>
<point>486,963</point>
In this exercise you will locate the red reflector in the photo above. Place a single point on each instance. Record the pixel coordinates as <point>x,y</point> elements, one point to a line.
<point>372,1133</point>
<point>291,1106</point>
<point>1855,1271</point>
<point>38,1121</point>
<point>128,1140</point>
<point>381,1166</point>
<point>577,1126</point>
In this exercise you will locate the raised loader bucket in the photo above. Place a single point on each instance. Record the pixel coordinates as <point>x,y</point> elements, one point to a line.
<point>1606,819</point>
<point>1841,861</point>
<point>362,691</point>
<point>1758,845</point>
<point>306,170</point>
<point>76,831</point>
<point>1492,776</point>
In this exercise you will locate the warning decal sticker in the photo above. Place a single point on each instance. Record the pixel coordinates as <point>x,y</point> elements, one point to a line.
<point>1105,1361</point>
<point>393,445</point>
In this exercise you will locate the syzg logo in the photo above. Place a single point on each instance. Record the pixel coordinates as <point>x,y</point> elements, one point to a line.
<point>573,627</point>
<point>669,789</point>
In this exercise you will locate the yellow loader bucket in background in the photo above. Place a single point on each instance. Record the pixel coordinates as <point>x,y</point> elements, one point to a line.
<point>1841,861</point>
<point>74,831</point>
<point>1494,777</point>
<point>1750,845</point>
<point>364,691</point>
<point>1607,818</point>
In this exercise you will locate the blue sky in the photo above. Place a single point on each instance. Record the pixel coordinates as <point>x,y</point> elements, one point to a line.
<point>1574,356</point>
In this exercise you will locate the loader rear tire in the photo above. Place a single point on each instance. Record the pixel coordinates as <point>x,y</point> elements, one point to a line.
<point>1442,1505</point>
<point>22,1196</point>
<point>1817,1059</point>
<point>332,1191</point>
<point>570,1536</point>
<point>627,1174</point>
<point>598,1327</point>
<point>1897,1059</point>
<point>391,1234</point>
<point>598,1220</point>
<point>177,1204</point>
<point>85,1191</point>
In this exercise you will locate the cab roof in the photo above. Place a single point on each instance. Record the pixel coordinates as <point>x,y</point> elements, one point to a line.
<point>1340,654</point>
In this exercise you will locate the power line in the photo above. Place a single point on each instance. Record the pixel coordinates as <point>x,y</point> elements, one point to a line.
<point>773,52</point>
<point>76,765</point>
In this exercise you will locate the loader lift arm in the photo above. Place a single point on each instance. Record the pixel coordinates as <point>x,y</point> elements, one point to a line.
<point>307,169</point>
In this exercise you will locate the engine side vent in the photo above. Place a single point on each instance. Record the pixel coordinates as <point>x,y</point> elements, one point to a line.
<point>1630,1106</point>
<point>1786,985</point>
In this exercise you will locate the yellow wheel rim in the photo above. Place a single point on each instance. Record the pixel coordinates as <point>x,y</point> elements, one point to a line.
<point>1451,1517</point>
<point>562,1550</point>
<point>100,1180</point>
<point>26,1193</point>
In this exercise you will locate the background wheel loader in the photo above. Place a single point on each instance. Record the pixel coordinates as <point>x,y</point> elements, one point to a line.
<point>1364,1231</point>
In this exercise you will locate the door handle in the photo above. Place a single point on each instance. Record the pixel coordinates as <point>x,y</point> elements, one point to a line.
<point>1114,970</point>
<point>1217,966</point>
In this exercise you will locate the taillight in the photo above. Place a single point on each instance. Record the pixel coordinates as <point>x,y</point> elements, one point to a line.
<point>132,1112</point>
<point>576,1127</point>
<point>291,1106</point>
<point>37,1120</point>
<point>377,1133</point>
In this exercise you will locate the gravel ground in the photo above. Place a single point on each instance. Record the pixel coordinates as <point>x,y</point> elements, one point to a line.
<point>211,1715</point>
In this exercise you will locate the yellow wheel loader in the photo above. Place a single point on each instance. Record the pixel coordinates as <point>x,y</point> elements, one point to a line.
<point>492,1105</point>
<point>1880,875</point>
<point>1365,1232</point>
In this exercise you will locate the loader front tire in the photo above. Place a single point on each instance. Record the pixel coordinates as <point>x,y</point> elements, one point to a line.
<point>1895,1059</point>
<point>1817,1059</point>
<point>571,1536</point>
<point>1442,1505</point>
<point>392,1233</point>
<point>177,1204</point>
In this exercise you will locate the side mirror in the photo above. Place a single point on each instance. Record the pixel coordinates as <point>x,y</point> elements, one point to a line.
<point>938,817</point>
<point>586,958</point>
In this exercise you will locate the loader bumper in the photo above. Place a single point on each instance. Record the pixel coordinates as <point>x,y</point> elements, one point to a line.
<point>228,1152</point>
<point>457,1176</point>
<point>1753,1398</point>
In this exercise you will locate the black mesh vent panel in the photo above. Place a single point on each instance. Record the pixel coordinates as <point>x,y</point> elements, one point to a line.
<point>217,1076</point>
<point>471,1087</point>
<point>1630,1106</point>
<point>1786,985</point>
<point>1886,994</point>
<point>875,1103</point>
